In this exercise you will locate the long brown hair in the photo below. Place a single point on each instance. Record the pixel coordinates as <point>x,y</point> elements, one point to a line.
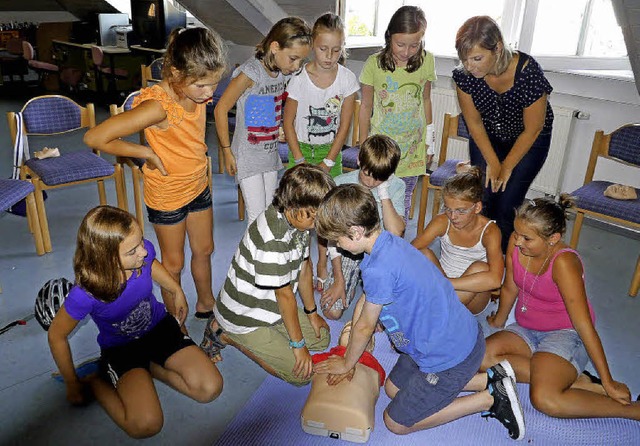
<point>96,262</point>
<point>193,52</point>
<point>286,32</point>
<point>406,20</point>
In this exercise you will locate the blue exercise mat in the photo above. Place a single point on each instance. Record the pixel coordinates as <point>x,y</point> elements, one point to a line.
<point>82,370</point>
<point>272,417</point>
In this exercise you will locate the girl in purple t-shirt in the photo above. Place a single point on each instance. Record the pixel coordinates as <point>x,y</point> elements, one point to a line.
<point>139,339</point>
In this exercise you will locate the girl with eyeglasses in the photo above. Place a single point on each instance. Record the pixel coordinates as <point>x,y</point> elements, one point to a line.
<point>470,252</point>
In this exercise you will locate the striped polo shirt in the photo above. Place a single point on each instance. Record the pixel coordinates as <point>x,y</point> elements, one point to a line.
<point>269,256</point>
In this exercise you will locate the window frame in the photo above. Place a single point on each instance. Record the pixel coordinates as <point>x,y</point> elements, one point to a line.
<point>518,26</point>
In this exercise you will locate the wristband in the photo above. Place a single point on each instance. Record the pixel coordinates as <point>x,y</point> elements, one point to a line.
<point>299,161</point>
<point>430,139</point>
<point>327,162</point>
<point>383,191</point>
<point>225,147</point>
<point>301,343</point>
<point>315,308</point>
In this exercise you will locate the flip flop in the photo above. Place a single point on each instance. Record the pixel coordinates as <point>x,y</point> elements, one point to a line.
<point>211,343</point>
<point>203,314</point>
<point>320,284</point>
<point>594,379</point>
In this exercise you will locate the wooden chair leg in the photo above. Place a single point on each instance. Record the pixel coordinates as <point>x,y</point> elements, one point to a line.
<point>412,209</point>
<point>32,217</point>
<point>102,193</point>
<point>577,226</point>
<point>635,281</point>
<point>240,205</point>
<point>422,211</point>
<point>136,177</point>
<point>42,215</point>
<point>436,202</point>
<point>121,188</point>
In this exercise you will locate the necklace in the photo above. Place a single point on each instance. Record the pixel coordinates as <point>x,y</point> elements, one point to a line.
<point>523,307</point>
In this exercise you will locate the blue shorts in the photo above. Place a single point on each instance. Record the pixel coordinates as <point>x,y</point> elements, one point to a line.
<point>564,343</point>
<point>424,394</point>
<point>200,203</point>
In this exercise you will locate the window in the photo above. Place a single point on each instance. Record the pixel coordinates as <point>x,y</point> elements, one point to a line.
<point>569,34</point>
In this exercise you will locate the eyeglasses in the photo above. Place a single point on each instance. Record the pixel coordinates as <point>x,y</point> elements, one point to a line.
<point>461,211</point>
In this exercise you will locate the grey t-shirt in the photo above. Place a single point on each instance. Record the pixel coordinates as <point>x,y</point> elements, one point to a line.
<point>258,115</point>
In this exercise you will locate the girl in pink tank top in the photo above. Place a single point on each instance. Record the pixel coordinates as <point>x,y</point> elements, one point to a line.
<point>554,335</point>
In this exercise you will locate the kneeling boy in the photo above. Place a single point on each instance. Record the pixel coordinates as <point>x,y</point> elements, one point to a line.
<point>256,310</point>
<point>441,345</point>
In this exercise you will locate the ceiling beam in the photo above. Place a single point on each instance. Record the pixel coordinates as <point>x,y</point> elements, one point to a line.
<point>262,14</point>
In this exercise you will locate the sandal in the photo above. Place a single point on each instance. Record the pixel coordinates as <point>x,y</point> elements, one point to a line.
<point>320,284</point>
<point>594,379</point>
<point>211,343</point>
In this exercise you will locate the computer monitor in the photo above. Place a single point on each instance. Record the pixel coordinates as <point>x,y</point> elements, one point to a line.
<point>107,27</point>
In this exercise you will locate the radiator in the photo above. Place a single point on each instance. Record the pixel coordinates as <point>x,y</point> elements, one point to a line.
<point>548,180</point>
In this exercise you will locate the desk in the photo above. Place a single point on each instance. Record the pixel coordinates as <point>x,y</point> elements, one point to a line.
<point>150,54</point>
<point>77,56</point>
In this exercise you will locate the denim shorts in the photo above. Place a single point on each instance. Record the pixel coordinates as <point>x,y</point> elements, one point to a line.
<point>565,343</point>
<point>201,203</point>
<point>424,394</point>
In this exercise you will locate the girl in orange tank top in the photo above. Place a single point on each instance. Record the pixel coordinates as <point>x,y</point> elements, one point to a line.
<point>172,115</point>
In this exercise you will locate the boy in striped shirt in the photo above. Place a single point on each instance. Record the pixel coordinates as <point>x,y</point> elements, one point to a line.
<point>256,310</point>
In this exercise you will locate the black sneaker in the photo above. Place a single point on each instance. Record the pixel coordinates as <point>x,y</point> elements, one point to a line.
<point>501,370</point>
<point>506,407</point>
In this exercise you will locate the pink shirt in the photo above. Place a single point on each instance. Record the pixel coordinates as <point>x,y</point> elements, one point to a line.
<point>545,309</point>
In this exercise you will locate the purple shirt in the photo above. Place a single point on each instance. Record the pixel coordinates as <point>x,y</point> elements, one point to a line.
<point>133,314</point>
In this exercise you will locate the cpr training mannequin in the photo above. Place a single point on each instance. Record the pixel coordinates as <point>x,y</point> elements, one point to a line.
<point>346,410</point>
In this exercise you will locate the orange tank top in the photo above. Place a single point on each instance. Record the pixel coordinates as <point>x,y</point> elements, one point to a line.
<point>182,149</point>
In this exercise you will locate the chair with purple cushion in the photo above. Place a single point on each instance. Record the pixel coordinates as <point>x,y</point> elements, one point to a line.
<point>151,74</point>
<point>622,146</point>
<point>453,127</point>
<point>13,191</point>
<point>53,115</point>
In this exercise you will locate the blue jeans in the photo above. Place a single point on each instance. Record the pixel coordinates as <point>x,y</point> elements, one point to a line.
<point>501,206</point>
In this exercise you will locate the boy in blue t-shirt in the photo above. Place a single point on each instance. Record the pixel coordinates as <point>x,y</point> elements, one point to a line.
<point>440,343</point>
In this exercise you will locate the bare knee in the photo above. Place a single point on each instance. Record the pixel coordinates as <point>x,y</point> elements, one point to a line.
<point>394,427</point>
<point>477,267</point>
<point>173,263</point>
<point>202,250</point>
<point>544,402</point>
<point>334,315</point>
<point>144,425</point>
<point>208,390</point>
